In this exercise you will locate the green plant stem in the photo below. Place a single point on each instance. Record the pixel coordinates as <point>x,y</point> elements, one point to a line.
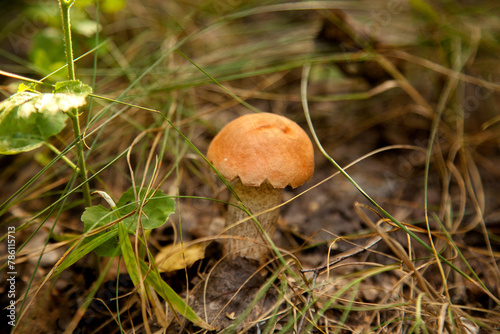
<point>82,167</point>
<point>65,14</point>
<point>65,6</point>
<point>66,160</point>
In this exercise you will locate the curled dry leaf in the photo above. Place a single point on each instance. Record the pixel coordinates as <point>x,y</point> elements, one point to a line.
<point>175,257</point>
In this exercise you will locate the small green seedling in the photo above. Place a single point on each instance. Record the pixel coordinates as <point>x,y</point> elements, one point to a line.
<point>114,240</point>
<point>155,213</point>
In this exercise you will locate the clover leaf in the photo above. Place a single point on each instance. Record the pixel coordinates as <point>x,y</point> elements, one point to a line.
<point>155,212</point>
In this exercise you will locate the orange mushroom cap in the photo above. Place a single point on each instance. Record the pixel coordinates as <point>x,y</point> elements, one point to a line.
<point>260,147</point>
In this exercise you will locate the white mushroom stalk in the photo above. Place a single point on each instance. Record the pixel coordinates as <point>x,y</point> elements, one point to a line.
<point>264,153</point>
<point>256,200</point>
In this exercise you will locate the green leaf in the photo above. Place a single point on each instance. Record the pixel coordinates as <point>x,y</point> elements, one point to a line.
<point>155,213</point>
<point>26,86</point>
<point>83,249</point>
<point>74,87</point>
<point>128,255</point>
<point>22,127</point>
<point>95,217</point>
<point>28,118</point>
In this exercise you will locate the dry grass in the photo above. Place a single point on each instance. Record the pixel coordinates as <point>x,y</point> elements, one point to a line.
<point>420,142</point>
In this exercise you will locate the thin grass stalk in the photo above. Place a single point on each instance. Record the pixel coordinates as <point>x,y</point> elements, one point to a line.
<point>73,114</point>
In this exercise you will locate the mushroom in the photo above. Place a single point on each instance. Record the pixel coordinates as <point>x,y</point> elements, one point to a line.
<point>265,153</point>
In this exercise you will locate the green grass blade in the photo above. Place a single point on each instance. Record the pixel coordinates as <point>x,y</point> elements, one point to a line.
<point>154,279</point>
<point>128,254</point>
<point>83,249</point>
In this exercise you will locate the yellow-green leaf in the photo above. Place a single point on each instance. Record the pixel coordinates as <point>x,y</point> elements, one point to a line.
<point>175,257</point>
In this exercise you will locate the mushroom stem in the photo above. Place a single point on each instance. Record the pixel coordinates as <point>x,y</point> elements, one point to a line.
<point>256,200</point>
